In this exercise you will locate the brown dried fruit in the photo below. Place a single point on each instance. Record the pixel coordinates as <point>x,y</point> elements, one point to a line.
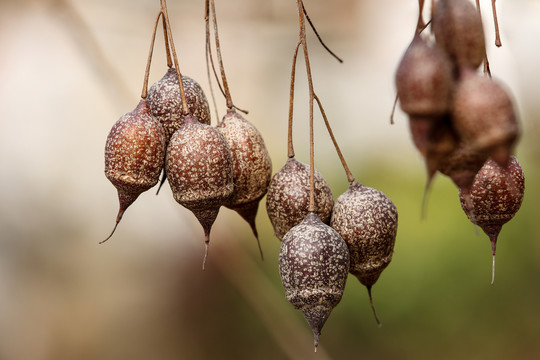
<point>313,265</point>
<point>367,220</point>
<point>287,200</point>
<point>134,155</point>
<point>165,102</point>
<point>199,168</point>
<point>252,166</point>
<point>496,196</point>
<point>484,116</point>
<point>424,80</point>
<point>458,29</point>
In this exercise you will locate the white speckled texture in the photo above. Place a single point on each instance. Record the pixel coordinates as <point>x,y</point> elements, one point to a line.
<point>251,161</point>
<point>496,195</point>
<point>134,152</point>
<point>165,102</point>
<point>199,170</point>
<point>287,200</point>
<point>367,220</point>
<point>313,265</point>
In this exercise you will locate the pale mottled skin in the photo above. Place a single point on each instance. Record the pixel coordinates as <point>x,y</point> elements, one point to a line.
<point>199,170</point>
<point>458,29</point>
<point>367,220</point>
<point>165,102</point>
<point>496,195</point>
<point>287,200</point>
<point>313,265</point>
<point>134,153</point>
<point>424,80</point>
<point>251,161</point>
<point>483,115</point>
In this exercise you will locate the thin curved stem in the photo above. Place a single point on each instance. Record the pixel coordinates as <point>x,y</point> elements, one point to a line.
<point>302,36</point>
<point>185,108</point>
<point>350,177</point>
<point>290,145</point>
<point>487,71</point>
<point>498,42</point>
<point>144,92</point>
<point>167,47</point>
<point>220,59</point>
<point>318,36</point>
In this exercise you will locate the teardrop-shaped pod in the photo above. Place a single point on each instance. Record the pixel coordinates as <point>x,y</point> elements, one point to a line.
<point>134,155</point>
<point>496,196</point>
<point>313,265</point>
<point>199,168</point>
<point>367,220</point>
<point>252,166</point>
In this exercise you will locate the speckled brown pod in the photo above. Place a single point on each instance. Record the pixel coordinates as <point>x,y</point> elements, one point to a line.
<point>251,163</point>
<point>484,116</point>
<point>458,29</point>
<point>287,200</point>
<point>199,168</point>
<point>424,79</point>
<point>134,155</point>
<point>313,265</point>
<point>496,196</point>
<point>367,220</point>
<point>165,102</point>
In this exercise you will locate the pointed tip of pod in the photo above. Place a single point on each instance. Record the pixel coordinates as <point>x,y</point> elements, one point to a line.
<point>248,212</point>
<point>125,199</point>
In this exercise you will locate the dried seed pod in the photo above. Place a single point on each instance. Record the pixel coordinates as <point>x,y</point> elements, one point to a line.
<point>424,80</point>
<point>252,166</point>
<point>367,220</point>
<point>287,200</point>
<point>134,155</point>
<point>484,116</point>
<point>199,168</point>
<point>434,138</point>
<point>313,265</point>
<point>458,29</point>
<point>165,102</point>
<point>496,196</point>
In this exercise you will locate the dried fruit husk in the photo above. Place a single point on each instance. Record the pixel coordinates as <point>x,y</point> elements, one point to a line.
<point>252,166</point>
<point>484,116</point>
<point>287,200</point>
<point>199,168</point>
<point>165,102</point>
<point>134,155</point>
<point>496,196</point>
<point>458,29</point>
<point>367,220</point>
<point>424,79</point>
<point>313,265</point>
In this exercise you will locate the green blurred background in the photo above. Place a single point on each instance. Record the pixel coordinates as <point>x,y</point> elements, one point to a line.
<point>70,68</point>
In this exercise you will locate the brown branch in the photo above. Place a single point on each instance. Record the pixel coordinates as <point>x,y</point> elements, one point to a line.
<point>291,104</point>
<point>150,52</point>
<point>318,36</point>
<point>350,177</point>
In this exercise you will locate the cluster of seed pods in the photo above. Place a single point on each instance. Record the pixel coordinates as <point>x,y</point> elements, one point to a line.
<point>354,234</point>
<point>207,167</point>
<point>461,121</point>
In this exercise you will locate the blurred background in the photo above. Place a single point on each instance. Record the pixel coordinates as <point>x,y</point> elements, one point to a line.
<point>70,68</point>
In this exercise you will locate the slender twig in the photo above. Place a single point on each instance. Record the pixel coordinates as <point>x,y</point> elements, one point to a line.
<point>350,177</point>
<point>220,59</point>
<point>302,36</point>
<point>150,52</point>
<point>291,104</point>
<point>420,25</point>
<point>209,59</point>
<point>487,71</point>
<point>318,36</point>
<point>185,108</point>
<point>167,47</point>
<point>498,42</point>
